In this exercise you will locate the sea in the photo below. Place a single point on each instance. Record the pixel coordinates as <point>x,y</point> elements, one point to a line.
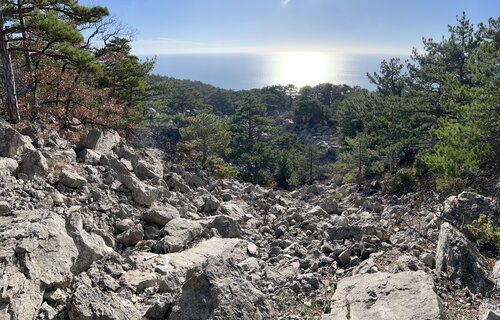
<point>247,71</point>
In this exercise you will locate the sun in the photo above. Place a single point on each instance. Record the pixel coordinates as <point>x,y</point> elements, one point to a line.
<point>302,67</point>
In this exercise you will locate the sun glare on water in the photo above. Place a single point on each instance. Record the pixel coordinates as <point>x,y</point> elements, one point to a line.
<point>303,67</point>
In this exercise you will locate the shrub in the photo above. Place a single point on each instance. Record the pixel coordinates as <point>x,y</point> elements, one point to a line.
<point>485,234</point>
<point>402,181</point>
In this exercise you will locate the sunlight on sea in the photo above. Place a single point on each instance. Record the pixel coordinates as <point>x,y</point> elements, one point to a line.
<point>246,71</point>
<point>304,67</point>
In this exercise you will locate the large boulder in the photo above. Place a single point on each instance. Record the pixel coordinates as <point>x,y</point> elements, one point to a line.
<point>12,143</point>
<point>218,291</point>
<point>36,254</point>
<point>404,296</point>
<point>91,245</point>
<point>99,140</point>
<point>460,260</point>
<point>142,193</point>
<point>467,207</point>
<point>161,215</point>
<point>148,170</point>
<point>178,234</point>
<point>33,165</point>
<point>90,303</point>
<point>227,227</point>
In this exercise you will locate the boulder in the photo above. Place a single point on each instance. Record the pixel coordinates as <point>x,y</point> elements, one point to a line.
<point>89,156</point>
<point>461,261</point>
<point>91,246</point>
<point>178,234</point>
<point>489,312</point>
<point>161,215</point>
<point>467,207</point>
<point>8,166</point>
<point>36,253</point>
<point>131,236</point>
<point>4,208</point>
<point>404,296</point>
<point>141,193</point>
<point>496,273</point>
<point>72,179</point>
<point>236,209</point>
<point>12,143</point>
<point>90,303</point>
<point>211,204</point>
<point>218,291</point>
<point>193,180</point>
<point>99,140</point>
<point>176,183</point>
<point>318,212</point>
<point>33,165</point>
<point>329,205</point>
<point>227,227</point>
<point>148,170</point>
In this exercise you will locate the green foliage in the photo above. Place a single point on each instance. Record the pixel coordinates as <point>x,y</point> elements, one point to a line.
<point>402,181</point>
<point>390,81</point>
<point>287,149</point>
<point>222,170</point>
<point>207,138</point>
<point>486,234</point>
<point>252,129</point>
<point>468,136</point>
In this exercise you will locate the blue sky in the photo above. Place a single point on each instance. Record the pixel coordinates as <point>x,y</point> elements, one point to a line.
<point>347,26</point>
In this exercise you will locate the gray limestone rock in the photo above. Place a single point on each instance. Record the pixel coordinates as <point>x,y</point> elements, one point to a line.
<point>330,205</point>
<point>89,156</point>
<point>131,236</point>
<point>72,179</point>
<point>226,226</point>
<point>460,260</point>
<point>148,170</point>
<point>12,143</point>
<point>161,215</point>
<point>404,296</point>
<point>141,193</point>
<point>8,166</point>
<point>35,253</point>
<point>467,207</point>
<point>99,140</point>
<point>33,165</point>
<point>90,303</point>
<point>178,234</point>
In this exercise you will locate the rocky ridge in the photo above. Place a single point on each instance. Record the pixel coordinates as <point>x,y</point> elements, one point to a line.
<point>99,230</point>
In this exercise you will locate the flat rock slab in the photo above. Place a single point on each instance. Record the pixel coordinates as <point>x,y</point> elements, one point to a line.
<point>384,296</point>
<point>173,267</point>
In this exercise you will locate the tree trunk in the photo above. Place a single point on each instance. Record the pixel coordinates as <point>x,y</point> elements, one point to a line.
<point>392,163</point>
<point>8,71</point>
<point>33,98</point>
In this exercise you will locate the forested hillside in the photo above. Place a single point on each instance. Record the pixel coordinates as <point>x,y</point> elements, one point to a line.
<point>433,121</point>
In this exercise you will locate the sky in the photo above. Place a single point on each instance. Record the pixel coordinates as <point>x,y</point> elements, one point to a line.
<point>245,26</point>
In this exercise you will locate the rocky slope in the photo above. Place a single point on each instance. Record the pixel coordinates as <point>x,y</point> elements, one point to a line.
<point>98,230</point>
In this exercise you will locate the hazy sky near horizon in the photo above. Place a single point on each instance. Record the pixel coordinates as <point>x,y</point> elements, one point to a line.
<point>247,26</point>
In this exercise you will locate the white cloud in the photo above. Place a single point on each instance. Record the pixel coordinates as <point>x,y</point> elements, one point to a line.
<point>285,2</point>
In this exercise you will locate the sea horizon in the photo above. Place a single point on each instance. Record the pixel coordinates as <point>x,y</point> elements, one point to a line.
<point>242,71</point>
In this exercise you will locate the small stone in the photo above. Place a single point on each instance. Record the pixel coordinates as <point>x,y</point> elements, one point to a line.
<point>4,208</point>
<point>252,249</point>
<point>345,257</point>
